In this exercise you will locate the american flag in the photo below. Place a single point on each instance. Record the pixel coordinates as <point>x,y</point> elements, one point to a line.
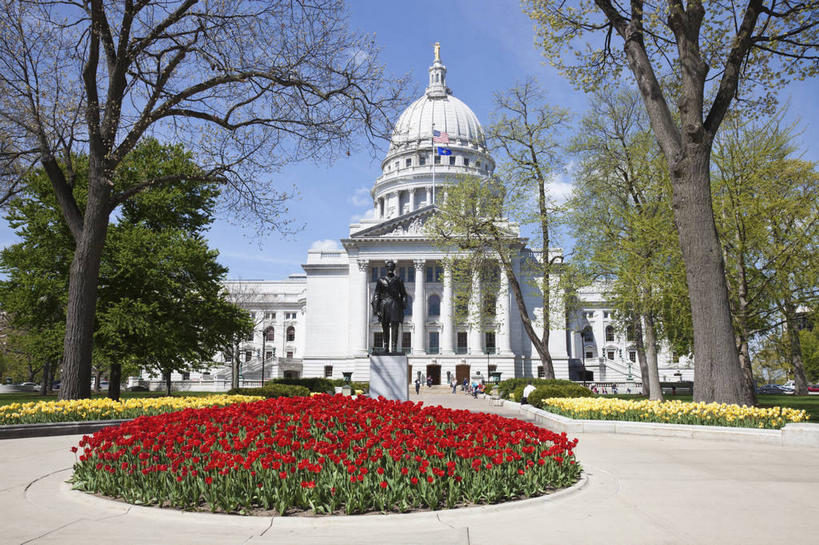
<point>442,137</point>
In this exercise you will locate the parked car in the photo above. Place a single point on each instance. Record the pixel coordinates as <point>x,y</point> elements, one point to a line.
<point>813,387</point>
<point>772,389</point>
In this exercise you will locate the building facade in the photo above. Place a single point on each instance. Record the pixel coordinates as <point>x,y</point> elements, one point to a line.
<point>320,324</point>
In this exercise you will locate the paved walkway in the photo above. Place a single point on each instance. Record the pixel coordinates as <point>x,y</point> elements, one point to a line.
<point>638,490</point>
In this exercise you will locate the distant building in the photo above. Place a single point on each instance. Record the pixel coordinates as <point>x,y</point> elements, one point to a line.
<point>320,324</point>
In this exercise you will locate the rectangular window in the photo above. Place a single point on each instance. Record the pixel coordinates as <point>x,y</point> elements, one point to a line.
<point>632,355</point>
<point>433,342</point>
<point>461,344</point>
<point>328,371</point>
<point>397,165</point>
<point>408,162</point>
<point>437,159</point>
<point>606,314</point>
<point>451,159</point>
<point>439,274</point>
<point>489,342</point>
<point>290,355</point>
<point>430,272</point>
<point>410,274</point>
<point>406,342</point>
<point>378,339</point>
<point>268,356</point>
<point>249,337</point>
<point>402,273</point>
<point>610,354</point>
<point>541,373</point>
<point>589,355</point>
<point>186,376</point>
<point>248,355</point>
<point>269,315</point>
<point>374,274</point>
<point>466,161</point>
<point>422,160</point>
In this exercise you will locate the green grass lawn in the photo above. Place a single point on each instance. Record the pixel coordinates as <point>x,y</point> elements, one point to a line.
<point>810,404</point>
<point>26,397</point>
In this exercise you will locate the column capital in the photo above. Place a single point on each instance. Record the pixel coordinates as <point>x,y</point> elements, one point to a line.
<point>419,264</point>
<point>363,264</point>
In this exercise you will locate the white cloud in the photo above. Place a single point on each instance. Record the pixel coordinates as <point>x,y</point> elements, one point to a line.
<point>361,197</point>
<point>559,187</point>
<point>325,245</point>
<point>368,215</point>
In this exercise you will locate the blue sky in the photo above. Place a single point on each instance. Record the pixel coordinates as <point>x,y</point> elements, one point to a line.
<point>487,46</point>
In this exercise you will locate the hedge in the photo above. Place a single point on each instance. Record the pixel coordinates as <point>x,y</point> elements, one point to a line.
<point>273,390</point>
<point>511,385</point>
<point>559,390</point>
<point>316,384</point>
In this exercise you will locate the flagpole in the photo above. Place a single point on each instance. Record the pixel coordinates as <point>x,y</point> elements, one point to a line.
<point>433,163</point>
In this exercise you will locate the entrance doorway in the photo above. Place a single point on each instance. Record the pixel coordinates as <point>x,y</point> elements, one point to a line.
<point>291,374</point>
<point>461,373</point>
<point>434,371</point>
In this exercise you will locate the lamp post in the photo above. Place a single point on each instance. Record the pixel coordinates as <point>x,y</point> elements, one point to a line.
<point>264,354</point>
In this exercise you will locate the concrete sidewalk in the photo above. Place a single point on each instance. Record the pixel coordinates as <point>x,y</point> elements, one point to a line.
<point>638,490</point>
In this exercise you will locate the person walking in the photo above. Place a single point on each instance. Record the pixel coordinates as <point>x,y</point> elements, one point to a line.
<point>429,381</point>
<point>417,386</point>
<point>454,385</point>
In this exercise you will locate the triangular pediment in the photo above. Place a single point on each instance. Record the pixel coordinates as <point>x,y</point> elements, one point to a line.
<point>408,225</point>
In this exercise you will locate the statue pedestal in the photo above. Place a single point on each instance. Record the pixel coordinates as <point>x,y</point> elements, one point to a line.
<point>389,376</point>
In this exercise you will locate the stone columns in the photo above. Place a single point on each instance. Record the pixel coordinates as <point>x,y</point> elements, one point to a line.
<point>429,195</point>
<point>359,306</point>
<point>474,318</point>
<point>502,317</point>
<point>447,325</point>
<point>418,309</point>
<point>411,193</point>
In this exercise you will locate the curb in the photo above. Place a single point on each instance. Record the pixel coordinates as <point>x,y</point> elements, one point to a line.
<point>792,435</point>
<point>311,521</point>
<point>25,431</point>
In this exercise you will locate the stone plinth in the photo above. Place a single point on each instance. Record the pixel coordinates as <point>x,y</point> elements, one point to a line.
<point>389,376</point>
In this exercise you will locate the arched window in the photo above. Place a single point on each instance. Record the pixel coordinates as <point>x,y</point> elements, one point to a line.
<point>270,334</point>
<point>588,335</point>
<point>609,333</point>
<point>408,308</point>
<point>291,334</point>
<point>434,305</point>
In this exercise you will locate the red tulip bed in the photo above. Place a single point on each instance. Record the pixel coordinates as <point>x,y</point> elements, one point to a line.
<point>323,455</point>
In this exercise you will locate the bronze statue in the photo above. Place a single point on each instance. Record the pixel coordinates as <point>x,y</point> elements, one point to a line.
<point>389,302</point>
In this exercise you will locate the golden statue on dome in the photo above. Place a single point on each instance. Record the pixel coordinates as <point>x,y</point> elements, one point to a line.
<point>437,51</point>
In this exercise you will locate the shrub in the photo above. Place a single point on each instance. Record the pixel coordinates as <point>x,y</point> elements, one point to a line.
<point>316,384</point>
<point>558,390</point>
<point>273,390</point>
<point>508,386</point>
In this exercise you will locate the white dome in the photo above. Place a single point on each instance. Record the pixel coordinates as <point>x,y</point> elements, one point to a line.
<point>446,114</point>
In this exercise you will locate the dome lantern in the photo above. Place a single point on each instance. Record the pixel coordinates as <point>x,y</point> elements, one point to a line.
<point>437,77</point>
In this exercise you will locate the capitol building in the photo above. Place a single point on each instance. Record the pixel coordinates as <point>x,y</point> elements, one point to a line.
<point>319,323</point>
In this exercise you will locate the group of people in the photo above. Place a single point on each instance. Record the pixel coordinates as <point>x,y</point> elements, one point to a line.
<point>418,384</point>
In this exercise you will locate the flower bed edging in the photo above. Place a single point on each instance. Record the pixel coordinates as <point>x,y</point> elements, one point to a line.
<point>50,429</point>
<point>310,522</point>
<point>792,435</point>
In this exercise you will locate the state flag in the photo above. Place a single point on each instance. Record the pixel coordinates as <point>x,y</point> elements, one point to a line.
<point>444,151</point>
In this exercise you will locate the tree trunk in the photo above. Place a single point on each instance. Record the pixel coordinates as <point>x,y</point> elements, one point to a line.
<point>82,290</point>
<point>541,347</point>
<point>742,324</point>
<point>800,382</point>
<point>745,364</point>
<point>718,375</point>
<point>641,353</point>
<point>44,387</point>
<point>655,390</point>
<point>234,378</point>
<point>114,380</point>
<point>167,377</point>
